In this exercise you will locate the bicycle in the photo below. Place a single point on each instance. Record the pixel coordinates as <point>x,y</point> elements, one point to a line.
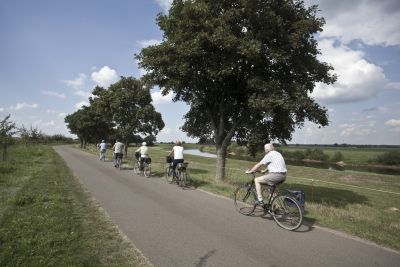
<point>282,206</point>
<point>118,160</point>
<point>144,168</point>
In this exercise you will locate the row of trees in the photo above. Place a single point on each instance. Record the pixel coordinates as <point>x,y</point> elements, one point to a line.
<point>32,135</point>
<point>123,111</point>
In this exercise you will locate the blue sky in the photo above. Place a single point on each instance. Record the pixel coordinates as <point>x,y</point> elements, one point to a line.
<point>53,53</point>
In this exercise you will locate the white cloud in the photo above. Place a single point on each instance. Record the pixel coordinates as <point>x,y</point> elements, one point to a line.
<point>81,104</point>
<point>77,83</point>
<point>82,93</point>
<point>393,123</point>
<point>158,98</point>
<point>1,109</point>
<point>105,76</point>
<point>165,4</point>
<point>62,114</point>
<point>146,43</point>
<point>373,22</point>
<point>23,105</point>
<point>357,78</point>
<point>51,93</point>
<point>50,123</point>
<point>363,129</point>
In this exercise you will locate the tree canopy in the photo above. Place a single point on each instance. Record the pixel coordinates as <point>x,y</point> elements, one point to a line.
<point>7,129</point>
<point>123,111</point>
<point>246,68</point>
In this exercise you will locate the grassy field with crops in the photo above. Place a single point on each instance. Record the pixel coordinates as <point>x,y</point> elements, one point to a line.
<point>47,219</point>
<point>359,203</point>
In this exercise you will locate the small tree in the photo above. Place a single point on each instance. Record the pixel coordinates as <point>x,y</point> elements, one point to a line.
<point>7,129</point>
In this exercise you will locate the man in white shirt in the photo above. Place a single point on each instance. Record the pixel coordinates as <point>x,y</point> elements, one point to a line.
<point>177,151</point>
<point>118,147</point>
<point>144,153</point>
<point>276,170</point>
<point>102,147</point>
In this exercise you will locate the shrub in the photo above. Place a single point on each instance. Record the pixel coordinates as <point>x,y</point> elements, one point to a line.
<point>388,158</point>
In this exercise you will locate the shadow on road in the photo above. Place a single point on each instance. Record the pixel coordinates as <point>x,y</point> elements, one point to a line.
<point>203,260</point>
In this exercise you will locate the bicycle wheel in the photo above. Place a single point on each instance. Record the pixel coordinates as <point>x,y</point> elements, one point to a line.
<point>286,212</point>
<point>182,179</point>
<point>136,168</point>
<point>119,160</point>
<point>244,199</point>
<point>168,174</point>
<point>146,169</point>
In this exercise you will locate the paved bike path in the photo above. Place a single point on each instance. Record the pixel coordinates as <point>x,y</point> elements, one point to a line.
<point>175,227</point>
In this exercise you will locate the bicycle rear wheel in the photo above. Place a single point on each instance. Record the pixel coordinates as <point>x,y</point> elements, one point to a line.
<point>182,179</point>
<point>146,169</point>
<point>119,161</point>
<point>244,199</point>
<point>286,212</point>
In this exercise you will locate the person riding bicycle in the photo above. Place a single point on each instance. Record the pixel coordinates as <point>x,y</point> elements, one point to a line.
<point>143,154</point>
<point>276,170</point>
<point>118,146</point>
<point>103,147</point>
<point>177,151</point>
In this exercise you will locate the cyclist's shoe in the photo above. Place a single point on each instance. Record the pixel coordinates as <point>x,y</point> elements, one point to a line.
<point>260,203</point>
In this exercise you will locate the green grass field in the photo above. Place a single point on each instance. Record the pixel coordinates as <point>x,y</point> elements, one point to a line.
<point>47,219</point>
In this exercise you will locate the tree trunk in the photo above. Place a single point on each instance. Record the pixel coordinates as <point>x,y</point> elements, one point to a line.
<point>221,159</point>
<point>126,149</point>
<point>81,140</point>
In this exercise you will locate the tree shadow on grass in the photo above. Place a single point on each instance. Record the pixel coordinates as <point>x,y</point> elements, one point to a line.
<point>333,197</point>
<point>7,169</point>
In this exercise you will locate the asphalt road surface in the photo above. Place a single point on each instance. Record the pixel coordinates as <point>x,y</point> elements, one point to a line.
<point>175,227</point>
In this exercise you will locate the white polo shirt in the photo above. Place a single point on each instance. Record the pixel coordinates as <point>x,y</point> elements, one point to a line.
<point>274,161</point>
<point>178,152</point>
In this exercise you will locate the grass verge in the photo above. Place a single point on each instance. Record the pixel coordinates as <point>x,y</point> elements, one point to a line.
<point>47,219</point>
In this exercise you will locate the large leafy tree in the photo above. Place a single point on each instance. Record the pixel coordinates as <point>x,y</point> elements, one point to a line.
<point>89,124</point>
<point>128,105</point>
<point>246,68</point>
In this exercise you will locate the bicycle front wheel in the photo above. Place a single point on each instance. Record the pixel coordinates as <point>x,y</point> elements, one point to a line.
<point>286,212</point>
<point>168,174</point>
<point>146,170</point>
<point>244,199</point>
<point>136,168</point>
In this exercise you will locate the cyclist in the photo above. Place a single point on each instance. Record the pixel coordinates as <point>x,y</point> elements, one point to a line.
<point>177,151</point>
<point>102,146</point>
<point>276,170</point>
<point>118,146</point>
<point>144,154</point>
